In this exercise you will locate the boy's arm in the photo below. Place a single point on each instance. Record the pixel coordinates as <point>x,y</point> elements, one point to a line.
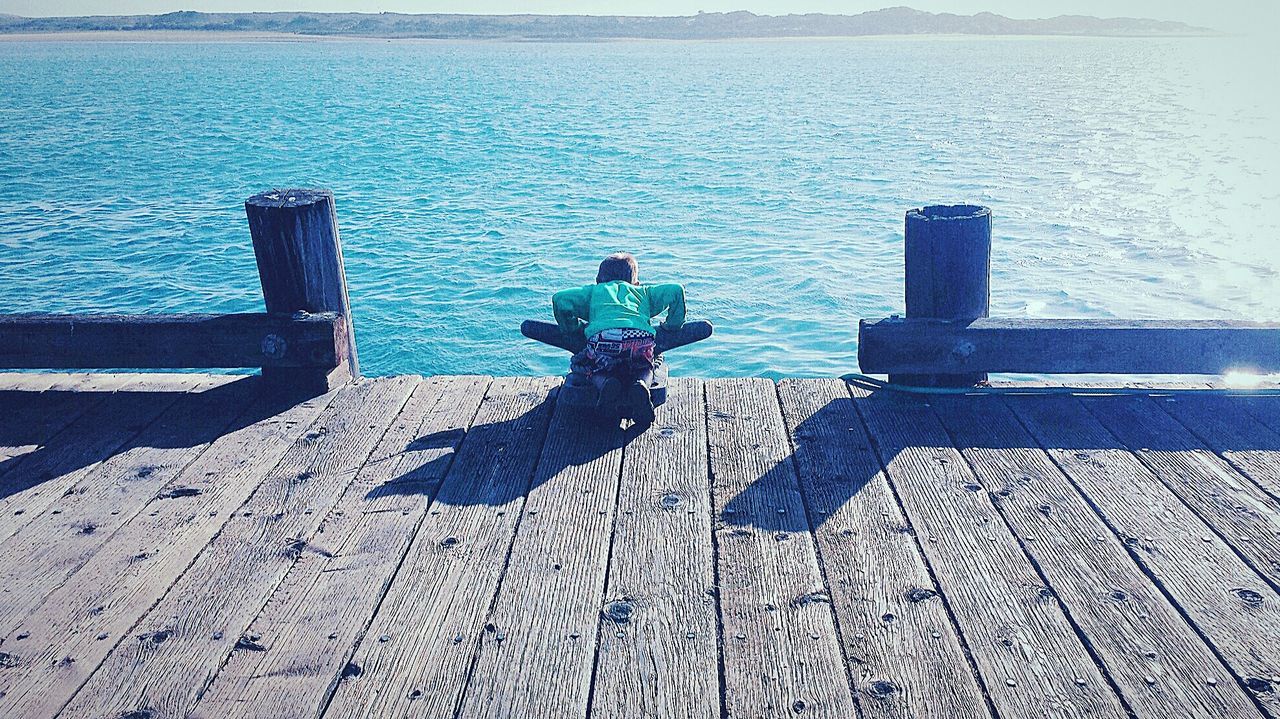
<point>669,297</point>
<point>571,308</point>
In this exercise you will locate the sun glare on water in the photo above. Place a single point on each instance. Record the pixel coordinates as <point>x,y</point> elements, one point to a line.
<point>1243,379</point>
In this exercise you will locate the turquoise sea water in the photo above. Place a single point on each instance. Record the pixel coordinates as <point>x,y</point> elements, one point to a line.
<point>1128,178</point>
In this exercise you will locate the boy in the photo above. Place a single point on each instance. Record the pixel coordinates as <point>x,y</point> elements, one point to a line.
<point>619,355</point>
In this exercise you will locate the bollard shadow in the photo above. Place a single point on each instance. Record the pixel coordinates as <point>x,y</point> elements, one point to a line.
<point>422,480</point>
<point>71,430</point>
<point>847,443</point>
<point>832,464</point>
<point>495,463</point>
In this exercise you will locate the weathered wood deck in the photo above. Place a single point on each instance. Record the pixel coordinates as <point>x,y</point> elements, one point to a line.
<point>177,546</point>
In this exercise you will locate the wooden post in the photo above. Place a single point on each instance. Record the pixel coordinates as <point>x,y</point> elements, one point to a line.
<point>948,274</point>
<point>295,239</point>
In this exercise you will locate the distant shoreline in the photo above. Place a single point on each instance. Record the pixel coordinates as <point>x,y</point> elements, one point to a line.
<point>233,36</point>
<point>176,36</point>
<point>740,25</point>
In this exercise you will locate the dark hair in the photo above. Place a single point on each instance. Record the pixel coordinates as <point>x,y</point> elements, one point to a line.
<point>619,266</point>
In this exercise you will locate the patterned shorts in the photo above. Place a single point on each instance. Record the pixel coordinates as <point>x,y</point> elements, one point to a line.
<point>615,350</point>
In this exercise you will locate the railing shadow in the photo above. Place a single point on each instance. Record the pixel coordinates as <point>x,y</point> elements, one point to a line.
<point>110,423</point>
<point>846,443</point>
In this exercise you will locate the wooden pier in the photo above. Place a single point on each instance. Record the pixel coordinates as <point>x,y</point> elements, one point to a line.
<point>305,542</point>
<point>197,546</point>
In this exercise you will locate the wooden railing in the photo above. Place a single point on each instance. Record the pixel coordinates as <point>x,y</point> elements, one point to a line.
<point>947,338</point>
<point>296,341</point>
<point>303,341</point>
<point>957,347</point>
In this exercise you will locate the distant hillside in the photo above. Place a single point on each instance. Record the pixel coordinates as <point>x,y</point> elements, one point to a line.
<point>710,26</point>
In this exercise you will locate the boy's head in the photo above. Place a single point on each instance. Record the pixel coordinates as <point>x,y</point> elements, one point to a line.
<point>619,266</point>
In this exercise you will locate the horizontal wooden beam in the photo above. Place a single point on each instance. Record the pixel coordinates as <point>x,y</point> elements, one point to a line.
<point>37,341</point>
<point>1066,346</point>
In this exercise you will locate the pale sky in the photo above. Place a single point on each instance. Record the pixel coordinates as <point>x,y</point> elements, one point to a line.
<point>1231,15</point>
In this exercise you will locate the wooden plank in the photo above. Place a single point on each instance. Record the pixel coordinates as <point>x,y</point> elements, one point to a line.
<point>128,574</point>
<point>781,651</point>
<point>308,628</point>
<point>662,659</point>
<point>44,404</point>
<point>31,485</point>
<point>106,382</point>
<point>1072,346</point>
<point>914,666</point>
<point>154,381</point>
<point>25,382</point>
<point>57,381</point>
<point>1230,605</point>
<point>142,341</point>
<point>1265,409</point>
<point>1024,645</point>
<point>54,542</point>
<point>1226,425</point>
<point>94,382</point>
<point>1246,517</point>
<point>436,608</point>
<point>548,607</point>
<point>173,652</point>
<point>1158,662</point>
<point>30,419</point>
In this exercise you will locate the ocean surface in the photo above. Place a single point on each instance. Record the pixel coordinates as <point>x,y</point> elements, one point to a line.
<point>1127,177</point>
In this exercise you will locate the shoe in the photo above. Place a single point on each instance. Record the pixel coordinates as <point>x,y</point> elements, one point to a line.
<point>640,403</point>
<point>610,397</point>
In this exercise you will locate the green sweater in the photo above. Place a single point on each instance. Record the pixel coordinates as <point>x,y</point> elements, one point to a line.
<point>615,305</point>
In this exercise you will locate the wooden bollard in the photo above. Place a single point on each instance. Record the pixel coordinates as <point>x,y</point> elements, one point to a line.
<point>948,274</point>
<point>295,239</point>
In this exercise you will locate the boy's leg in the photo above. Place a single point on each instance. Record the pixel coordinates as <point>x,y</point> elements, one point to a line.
<point>645,376</point>
<point>640,403</point>
<point>639,400</point>
<point>689,333</point>
<point>549,333</point>
<point>611,391</point>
